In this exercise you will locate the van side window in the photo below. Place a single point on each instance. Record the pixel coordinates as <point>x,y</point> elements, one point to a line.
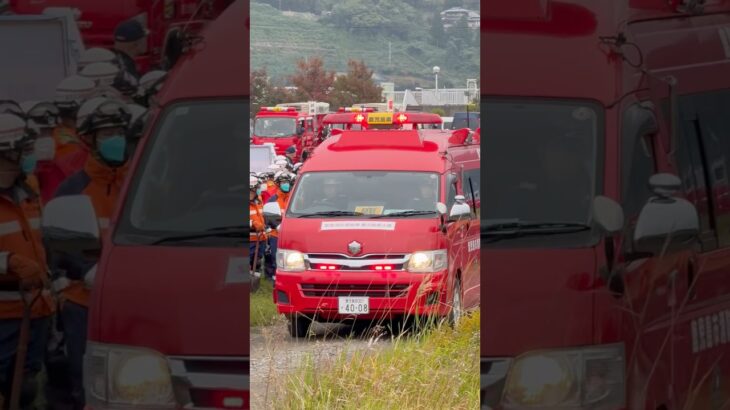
<point>473,176</point>
<point>638,163</point>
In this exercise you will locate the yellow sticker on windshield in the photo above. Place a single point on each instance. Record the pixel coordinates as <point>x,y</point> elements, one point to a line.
<point>370,210</point>
<point>380,118</point>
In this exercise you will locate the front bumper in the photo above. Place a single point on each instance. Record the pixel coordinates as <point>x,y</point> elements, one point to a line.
<point>391,294</point>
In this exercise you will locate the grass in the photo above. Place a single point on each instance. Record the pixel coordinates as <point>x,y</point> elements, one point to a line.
<point>263,309</point>
<point>438,369</point>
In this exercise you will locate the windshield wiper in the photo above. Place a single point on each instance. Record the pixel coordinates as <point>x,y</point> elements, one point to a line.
<point>330,213</point>
<point>517,229</point>
<point>236,231</point>
<point>404,213</point>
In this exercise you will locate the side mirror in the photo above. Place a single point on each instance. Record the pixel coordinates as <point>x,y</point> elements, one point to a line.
<point>272,213</point>
<point>608,214</point>
<point>666,224</point>
<point>460,209</point>
<point>70,225</point>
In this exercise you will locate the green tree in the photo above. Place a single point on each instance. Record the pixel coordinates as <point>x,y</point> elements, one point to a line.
<point>356,86</point>
<point>438,36</point>
<point>312,80</point>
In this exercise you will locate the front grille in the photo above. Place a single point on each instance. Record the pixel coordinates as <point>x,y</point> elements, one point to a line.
<point>210,382</point>
<point>341,289</point>
<point>493,377</point>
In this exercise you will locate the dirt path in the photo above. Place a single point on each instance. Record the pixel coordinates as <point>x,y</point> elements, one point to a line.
<point>274,354</point>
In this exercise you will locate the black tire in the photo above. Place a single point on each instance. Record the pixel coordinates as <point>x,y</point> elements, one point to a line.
<point>299,326</point>
<point>457,304</point>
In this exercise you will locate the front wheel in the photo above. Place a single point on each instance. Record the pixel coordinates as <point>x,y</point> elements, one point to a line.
<point>457,307</point>
<point>299,325</point>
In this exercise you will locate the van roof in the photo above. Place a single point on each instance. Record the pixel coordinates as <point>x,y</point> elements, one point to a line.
<point>218,65</point>
<point>396,150</point>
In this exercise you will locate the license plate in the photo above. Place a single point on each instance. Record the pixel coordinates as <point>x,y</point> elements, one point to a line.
<point>354,305</point>
<point>380,118</point>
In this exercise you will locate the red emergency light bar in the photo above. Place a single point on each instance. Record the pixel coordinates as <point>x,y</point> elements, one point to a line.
<point>386,139</point>
<point>398,118</point>
<point>278,109</point>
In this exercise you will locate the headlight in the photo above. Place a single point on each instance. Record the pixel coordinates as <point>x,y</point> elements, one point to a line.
<point>587,378</point>
<point>430,261</point>
<point>127,376</point>
<point>292,261</point>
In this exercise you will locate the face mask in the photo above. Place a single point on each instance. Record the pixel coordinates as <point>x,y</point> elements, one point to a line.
<point>28,163</point>
<point>285,187</point>
<point>45,148</point>
<point>258,191</point>
<point>113,148</point>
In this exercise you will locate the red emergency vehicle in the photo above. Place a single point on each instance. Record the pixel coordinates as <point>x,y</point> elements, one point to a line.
<point>163,18</point>
<point>289,124</point>
<point>168,318</point>
<point>378,228</point>
<point>606,282</point>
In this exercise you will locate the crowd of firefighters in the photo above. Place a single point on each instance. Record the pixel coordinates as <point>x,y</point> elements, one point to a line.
<point>271,186</point>
<point>78,143</point>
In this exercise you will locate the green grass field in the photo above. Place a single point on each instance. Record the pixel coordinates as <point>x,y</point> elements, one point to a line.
<point>263,309</point>
<point>437,369</point>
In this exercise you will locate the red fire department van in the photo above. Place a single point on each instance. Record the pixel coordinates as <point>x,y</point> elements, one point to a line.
<point>378,227</point>
<point>168,320</point>
<point>289,124</point>
<point>98,19</point>
<point>608,277</point>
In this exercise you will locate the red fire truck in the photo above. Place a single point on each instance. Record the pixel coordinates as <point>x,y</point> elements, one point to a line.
<point>289,124</point>
<point>606,282</point>
<point>378,227</point>
<point>165,19</point>
<point>168,317</point>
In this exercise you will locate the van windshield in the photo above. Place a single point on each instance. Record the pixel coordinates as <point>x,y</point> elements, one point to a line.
<point>192,177</point>
<point>365,194</point>
<point>541,163</point>
<point>273,127</point>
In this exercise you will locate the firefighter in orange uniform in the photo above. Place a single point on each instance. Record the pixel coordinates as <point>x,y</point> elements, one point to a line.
<point>101,124</point>
<point>283,180</point>
<point>22,259</point>
<point>257,236</point>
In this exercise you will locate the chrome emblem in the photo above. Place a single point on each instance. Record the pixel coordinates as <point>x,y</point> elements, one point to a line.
<point>354,247</point>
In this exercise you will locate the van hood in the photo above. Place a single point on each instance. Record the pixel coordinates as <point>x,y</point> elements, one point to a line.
<point>176,300</point>
<point>332,235</point>
<point>536,299</point>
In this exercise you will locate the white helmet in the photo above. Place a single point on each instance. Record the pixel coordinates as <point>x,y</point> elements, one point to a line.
<point>72,91</point>
<point>103,74</point>
<point>96,55</point>
<point>13,133</point>
<point>253,183</point>
<point>11,107</point>
<point>40,115</point>
<point>280,157</point>
<point>102,112</point>
<point>151,83</point>
<point>137,111</point>
<point>281,163</point>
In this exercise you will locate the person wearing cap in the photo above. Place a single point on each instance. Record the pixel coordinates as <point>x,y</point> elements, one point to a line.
<point>283,180</point>
<point>130,41</point>
<point>102,123</point>
<point>23,268</point>
<point>290,154</point>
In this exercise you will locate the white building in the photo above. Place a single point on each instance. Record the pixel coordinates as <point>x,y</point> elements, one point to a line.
<point>451,16</point>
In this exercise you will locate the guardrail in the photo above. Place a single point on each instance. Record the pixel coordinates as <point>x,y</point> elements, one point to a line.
<point>447,96</point>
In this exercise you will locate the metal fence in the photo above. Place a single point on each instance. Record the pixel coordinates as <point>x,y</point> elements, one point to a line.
<point>432,97</point>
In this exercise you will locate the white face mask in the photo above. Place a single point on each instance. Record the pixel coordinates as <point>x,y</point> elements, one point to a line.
<point>45,148</point>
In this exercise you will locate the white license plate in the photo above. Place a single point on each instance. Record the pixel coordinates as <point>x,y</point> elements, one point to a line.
<point>349,305</point>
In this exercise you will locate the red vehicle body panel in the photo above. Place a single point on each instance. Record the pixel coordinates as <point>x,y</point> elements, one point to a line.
<point>535,299</point>
<point>383,152</point>
<point>174,300</point>
<point>99,19</point>
<point>282,143</point>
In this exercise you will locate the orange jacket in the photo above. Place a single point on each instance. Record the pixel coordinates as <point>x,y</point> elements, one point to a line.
<point>256,215</point>
<point>68,159</point>
<point>20,213</point>
<point>102,184</point>
<point>281,198</point>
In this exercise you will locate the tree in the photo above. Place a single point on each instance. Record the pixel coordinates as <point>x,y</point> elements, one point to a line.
<point>438,36</point>
<point>312,80</point>
<point>356,86</point>
<point>263,93</point>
